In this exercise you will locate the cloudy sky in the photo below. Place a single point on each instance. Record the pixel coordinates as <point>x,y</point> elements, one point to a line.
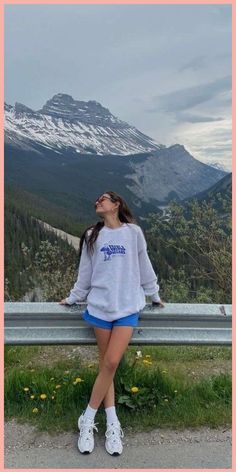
<point>165,69</point>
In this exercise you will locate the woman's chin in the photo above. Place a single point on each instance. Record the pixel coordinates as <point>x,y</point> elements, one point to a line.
<point>99,212</point>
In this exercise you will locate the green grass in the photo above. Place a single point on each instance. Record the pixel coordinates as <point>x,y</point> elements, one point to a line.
<point>169,395</point>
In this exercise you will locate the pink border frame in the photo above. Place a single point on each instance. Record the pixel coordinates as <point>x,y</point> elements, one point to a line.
<point>104,2</point>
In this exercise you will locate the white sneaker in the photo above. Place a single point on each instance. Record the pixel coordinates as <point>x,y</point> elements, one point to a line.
<point>86,439</point>
<point>113,442</point>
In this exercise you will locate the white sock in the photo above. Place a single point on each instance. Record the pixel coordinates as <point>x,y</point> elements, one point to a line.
<point>111,414</point>
<point>90,412</point>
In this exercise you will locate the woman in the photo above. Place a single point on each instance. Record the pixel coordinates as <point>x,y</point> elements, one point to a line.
<point>115,274</point>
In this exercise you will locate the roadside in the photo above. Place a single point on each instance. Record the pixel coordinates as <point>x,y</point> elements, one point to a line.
<point>73,240</point>
<point>212,362</point>
<point>25,447</point>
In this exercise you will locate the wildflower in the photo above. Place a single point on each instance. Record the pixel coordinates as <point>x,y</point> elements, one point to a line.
<point>145,361</point>
<point>58,386</point>
<point>32,397</point>
<point>175,391</point>
<point>139,354</point>
<point>134,389</point>
<point>52,378</point>
<point>26,389</point>
<point>35,410</point>
<point>164,371</point>
<point>166,400</point>
<point>77,380</point>
<point>67,372</point>
<point>148,356</point>
<point>52,397</point>
<point>43,396</point>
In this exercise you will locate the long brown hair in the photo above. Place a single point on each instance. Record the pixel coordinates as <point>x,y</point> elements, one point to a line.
<point>124,214</point>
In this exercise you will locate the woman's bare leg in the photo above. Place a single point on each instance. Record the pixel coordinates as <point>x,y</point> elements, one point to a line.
<point>103,337</point>
<point>118,342</point>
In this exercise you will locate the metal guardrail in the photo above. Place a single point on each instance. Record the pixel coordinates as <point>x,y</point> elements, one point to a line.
<point>175,324</point>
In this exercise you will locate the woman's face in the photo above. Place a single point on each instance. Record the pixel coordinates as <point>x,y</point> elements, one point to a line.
<point>105,205</point>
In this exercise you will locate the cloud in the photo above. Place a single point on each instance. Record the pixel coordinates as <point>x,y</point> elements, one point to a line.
<point>190,97</point>
<point>188,118</point>
<point>217,150</point>
<point>203,61</point>
<point>208,142</point>
<point>196,63</point>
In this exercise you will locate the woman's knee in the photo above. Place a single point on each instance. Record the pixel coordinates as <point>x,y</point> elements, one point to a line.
<point>110,363</point>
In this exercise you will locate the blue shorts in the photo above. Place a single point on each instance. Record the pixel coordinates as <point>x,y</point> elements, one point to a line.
<point>130,320</point>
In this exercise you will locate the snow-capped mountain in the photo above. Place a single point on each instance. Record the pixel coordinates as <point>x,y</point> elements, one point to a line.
<point>61,143</point>
<point>64,123</point>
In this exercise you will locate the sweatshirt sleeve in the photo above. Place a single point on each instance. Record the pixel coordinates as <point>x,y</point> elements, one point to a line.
<point>83,284</point>
<point>148,277</point>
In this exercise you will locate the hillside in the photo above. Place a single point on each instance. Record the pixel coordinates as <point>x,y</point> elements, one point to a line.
<point>22,238</point>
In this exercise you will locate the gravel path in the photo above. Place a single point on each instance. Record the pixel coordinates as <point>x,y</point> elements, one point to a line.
<point>25,447</point>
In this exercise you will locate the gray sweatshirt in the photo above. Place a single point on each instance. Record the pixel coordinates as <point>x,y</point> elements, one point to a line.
<point>117,276</point>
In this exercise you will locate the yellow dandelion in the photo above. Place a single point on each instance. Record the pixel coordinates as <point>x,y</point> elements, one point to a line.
<point>32,397</point>
<point>26,389</point>
<point>148,356</point>
<point>145,361</point>
<point>43,396</point>
<point>58,386</point>
<point>134,389</point>
<point>77,380</point>
<point>35,410</point>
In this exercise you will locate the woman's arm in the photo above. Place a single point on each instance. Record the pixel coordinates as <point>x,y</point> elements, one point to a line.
<point>83,284</point>
<point>148,277</point>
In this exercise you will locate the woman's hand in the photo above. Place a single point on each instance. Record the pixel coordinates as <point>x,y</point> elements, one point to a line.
<point>159,304</point>
<point>63,302</point>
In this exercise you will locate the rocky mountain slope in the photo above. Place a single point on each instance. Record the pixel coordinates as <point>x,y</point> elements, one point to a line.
<point>64,123</point>
<point>70,151</point>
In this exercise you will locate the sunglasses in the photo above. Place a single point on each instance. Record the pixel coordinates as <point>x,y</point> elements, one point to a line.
<point>104,197</point>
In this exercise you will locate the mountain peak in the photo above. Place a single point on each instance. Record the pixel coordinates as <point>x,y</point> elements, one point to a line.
<point>20,108</point>
<point>92,112</point>
<point>177,147</point>
<point>83,127</point>
<point>65,97</point>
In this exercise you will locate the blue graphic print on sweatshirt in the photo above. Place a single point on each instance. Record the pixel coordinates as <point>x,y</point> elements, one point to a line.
<point>112,250</point>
